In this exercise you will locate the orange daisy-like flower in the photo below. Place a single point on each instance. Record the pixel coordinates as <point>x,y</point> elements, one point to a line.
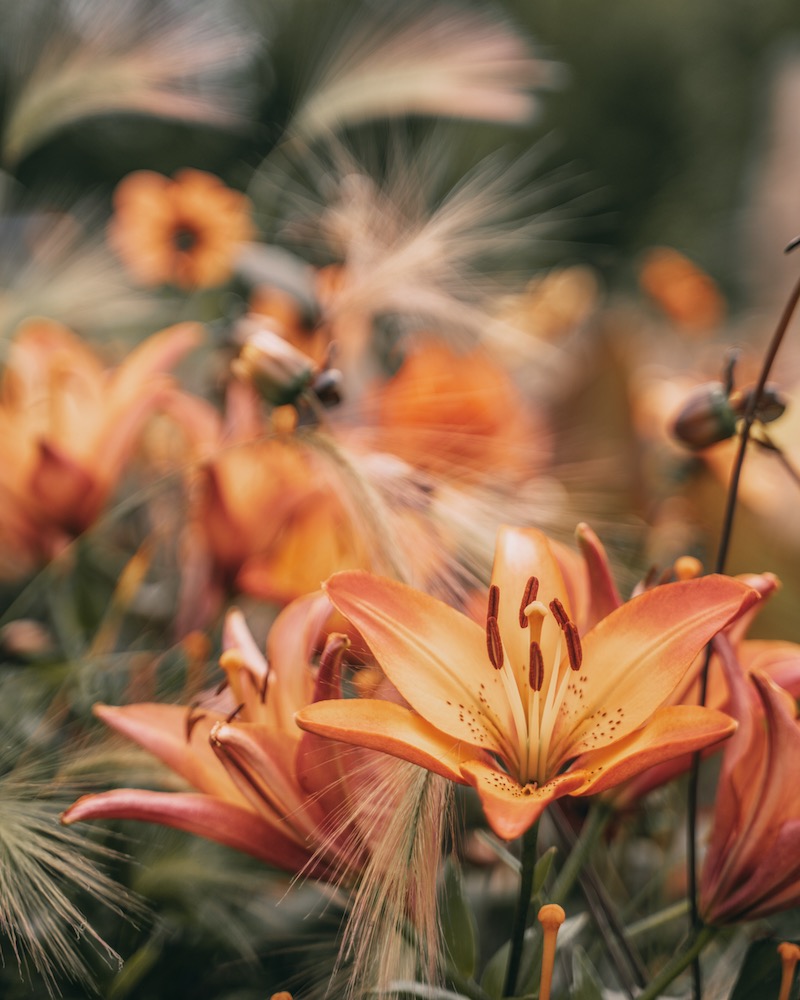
<point>528,709</point>
<point>185,231</point>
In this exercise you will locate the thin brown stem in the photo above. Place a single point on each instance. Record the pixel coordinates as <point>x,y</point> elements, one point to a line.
<point>748,420</point>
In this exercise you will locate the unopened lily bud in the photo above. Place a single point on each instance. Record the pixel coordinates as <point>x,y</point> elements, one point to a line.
<point>771,403</point>
<point>706,417</point>
<point>277,369</point>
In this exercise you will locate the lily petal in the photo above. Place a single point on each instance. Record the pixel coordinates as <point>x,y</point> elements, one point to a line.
<point>634,658</point>
<point>672,731</point>
<point>386,726</point>
<point>233,826</point>
<point>167,733</point>
<point>434,656</point>
<point>510,807</point>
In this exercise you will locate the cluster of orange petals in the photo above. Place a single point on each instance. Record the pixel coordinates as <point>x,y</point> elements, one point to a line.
<point>562,693</point>
<point>266,513</point>
<point>68,426</point>
<point>685,293</point>
<point>752,867</point>
<point>456,414</point>
<point>185,231</point>
<point>258,784</point>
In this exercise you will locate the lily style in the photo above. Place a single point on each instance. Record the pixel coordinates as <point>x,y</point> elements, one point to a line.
<point>529,707</point>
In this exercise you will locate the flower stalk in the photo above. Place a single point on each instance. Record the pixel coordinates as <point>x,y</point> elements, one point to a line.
<point>528,860</point>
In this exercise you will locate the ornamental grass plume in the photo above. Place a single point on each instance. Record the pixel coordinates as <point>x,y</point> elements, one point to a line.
<point>529,708</point>
<point>68,426</point>
<point>81,60</point>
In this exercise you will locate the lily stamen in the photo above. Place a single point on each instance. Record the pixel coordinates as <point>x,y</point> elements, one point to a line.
<point>574,648</point>
<point>192,718</point>
<point>551,917</point>
<point>530,594</point>
<point>790,955</point>
<point>494,601</point>
<point>559,613</point>
<point>494,644</point>
<point>536,667</point>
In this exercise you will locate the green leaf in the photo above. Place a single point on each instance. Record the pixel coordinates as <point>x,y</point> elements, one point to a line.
<point>459,928</point>
<point>542,870</point>
<point>494,975</point>
<point>586,984</point>
<point>760,975</point>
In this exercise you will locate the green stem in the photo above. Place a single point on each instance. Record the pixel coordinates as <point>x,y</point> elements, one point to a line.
<point>677,965</point>
<point>529,840</point>
<point>466,987</point>
<point>596,821</point>
<point>656,920</point>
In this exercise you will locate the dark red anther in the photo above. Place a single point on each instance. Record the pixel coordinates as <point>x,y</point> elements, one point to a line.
<point>574,648</point>
<point>192,718</point>
<point>494,601</point>
<point>531,590</point>
<point>559,613</point>
<point>221,686</point>
<point>262,694</point>
<point>234,713</point>
<point>536,668</point>
<point>494,643</point>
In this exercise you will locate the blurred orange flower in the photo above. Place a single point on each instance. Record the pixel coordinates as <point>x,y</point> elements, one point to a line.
<point>687,295</point>
<point>67,428</point>
<point>185,231</point>
<point>458,414</point>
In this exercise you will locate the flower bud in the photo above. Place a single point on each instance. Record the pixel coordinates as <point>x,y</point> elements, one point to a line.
<point>706,417</point>
<point>277,369</point>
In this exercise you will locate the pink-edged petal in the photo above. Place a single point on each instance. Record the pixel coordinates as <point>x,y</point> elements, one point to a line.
<point>520,554</point>
<point>778,659</point>
<point>635,657</point>
<point>159,353</point>
<point>65,490</point>
<point>672,731</point>
<point>298,632</point>
<point>204,815</point>
<point>755,807</point>
<point>391,728</point>
<point>261,765</point>
<point>178,736</point>
<point>512,808</point>
<point>603,594</point>
<point>434,656</point>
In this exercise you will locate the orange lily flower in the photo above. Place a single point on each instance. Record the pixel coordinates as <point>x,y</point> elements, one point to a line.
<point>528,709</point>
<point>186,231</point>
<point>752,867</point>
<point>67,428</point>
<point>261,785</point>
